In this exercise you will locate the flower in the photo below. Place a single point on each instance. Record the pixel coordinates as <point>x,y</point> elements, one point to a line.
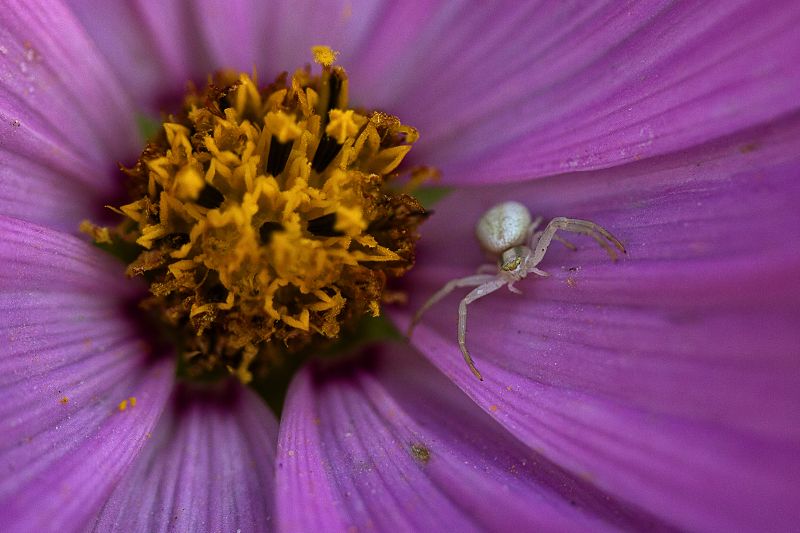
<point>657,393</point>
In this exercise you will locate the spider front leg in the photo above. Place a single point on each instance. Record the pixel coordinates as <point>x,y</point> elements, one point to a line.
<point>469,281</point>
<point>584,227</point>
<point>479,292</point>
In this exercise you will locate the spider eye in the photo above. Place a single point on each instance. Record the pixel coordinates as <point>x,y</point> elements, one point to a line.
<point>508,266</point>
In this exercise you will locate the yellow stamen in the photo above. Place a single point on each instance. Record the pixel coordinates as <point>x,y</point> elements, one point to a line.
<point>282,126</point>
<point>343,124</point>
<point>266,216</point>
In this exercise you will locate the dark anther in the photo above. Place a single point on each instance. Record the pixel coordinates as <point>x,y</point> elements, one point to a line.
<point>335,84</point>
<point>327,150</point>
<point>216,293</point>
<point>323,226</point>
<point>176,240</point>
<point>210,197</point>
<point>278,155</point>
<point>267,229</point>
<point>217,98</point>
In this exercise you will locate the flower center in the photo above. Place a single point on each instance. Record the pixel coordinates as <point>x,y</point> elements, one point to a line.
<point>266,219</point>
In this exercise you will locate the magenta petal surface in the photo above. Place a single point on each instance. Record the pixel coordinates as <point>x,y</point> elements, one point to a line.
<point>123,36</point>
<point>520,90</point>
<point>69,355</point>
<point>390,445</point>
<point>66,121</point>
<point>208,466</point>
<point>156,51</point>
<point>278,35</point>
<point>670,378</point>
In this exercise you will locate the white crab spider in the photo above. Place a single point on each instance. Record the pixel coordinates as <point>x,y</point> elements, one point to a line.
<point>502,231</point>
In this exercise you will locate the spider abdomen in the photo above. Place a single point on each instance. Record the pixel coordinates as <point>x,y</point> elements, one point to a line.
<point>503,226</point>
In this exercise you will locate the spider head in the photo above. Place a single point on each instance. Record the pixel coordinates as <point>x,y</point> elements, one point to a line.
<point>514,260</point>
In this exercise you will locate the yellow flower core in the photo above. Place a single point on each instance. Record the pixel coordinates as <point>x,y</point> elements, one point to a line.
<point>266,219</point>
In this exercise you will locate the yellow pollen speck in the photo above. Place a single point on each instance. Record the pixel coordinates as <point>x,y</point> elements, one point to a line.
<point>324,55</point>
<point>124,404</point>
<point>493,408</point>
<point>64,400</point>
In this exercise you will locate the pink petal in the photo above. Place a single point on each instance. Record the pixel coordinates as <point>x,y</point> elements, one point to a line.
<point>121,33</point>
<point>279,35</point>
<point>520,90</point>
<point>66,121</point>
<point>669,379</point>
<point>69,356</point>
<point>389,445</point>
<point>209,466</point>
<point>157,50</point>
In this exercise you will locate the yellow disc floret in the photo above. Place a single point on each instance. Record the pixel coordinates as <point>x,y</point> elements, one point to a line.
<point>265,217</point>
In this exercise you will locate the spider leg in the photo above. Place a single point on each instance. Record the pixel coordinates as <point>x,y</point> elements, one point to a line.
<point>469,281</point>
<point>478,292</point>
<point>584,227</point>
<point>534,237</point>
<point>532,243</point>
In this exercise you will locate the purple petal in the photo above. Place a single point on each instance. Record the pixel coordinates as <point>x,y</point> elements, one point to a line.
<point>121,33</point>
<point>390,445</point>
<point>279,35</point>
<point>66,121</point>
<point>157,50</point>
<point>525,90</point>
<point>69,356</point>
<point>669,379</point>
<point>163,38</point>
<point>208,467</point>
